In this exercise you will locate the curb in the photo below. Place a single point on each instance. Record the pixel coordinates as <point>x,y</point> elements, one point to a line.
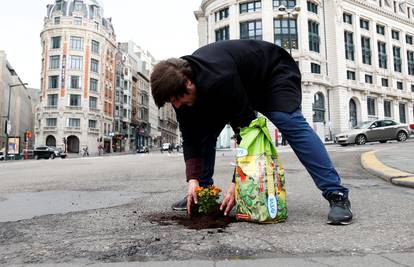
<point>394,176</point>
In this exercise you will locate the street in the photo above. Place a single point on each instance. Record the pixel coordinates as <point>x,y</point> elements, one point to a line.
<point>117,209</point>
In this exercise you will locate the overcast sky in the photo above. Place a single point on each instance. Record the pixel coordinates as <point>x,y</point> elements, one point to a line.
<point>166,28</point>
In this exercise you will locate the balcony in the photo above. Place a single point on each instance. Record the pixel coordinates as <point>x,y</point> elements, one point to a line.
<point>74,107</point>
<point>72,129</point>
<point>95,110</point>
<point>93,131</point>
<point>50,129</point>
<point>51,107</point>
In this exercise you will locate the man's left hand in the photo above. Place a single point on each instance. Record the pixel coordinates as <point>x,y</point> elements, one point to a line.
<point>229,199</point>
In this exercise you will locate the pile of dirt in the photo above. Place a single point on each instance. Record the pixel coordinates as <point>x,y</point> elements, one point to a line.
<point>196,221</point>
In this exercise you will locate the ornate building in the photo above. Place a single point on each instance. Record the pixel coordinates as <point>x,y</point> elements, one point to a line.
<point>78,77</point>
<point>356,56</point>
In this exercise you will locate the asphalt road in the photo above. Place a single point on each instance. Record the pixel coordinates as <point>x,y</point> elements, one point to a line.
<point>117,209</point>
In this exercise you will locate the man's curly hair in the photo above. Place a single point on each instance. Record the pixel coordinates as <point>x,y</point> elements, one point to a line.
<point>168,79</point>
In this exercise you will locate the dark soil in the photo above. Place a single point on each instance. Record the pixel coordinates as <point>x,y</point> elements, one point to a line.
<point>196,221</point>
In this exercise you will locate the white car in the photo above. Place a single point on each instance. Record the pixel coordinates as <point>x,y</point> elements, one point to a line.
<point>166,146</point>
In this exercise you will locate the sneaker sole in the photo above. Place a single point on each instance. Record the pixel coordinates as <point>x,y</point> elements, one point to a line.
<point>339,223</point>
<point>179,209</point>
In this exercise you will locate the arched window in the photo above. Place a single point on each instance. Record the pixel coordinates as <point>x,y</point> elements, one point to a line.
<point>353,113</point>
<point>318,107</point>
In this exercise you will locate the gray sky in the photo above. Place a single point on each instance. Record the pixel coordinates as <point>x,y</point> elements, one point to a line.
<point>166,28</point>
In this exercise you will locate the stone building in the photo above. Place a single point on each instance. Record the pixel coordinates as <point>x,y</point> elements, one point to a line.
<point>21,105</point>
<point>356,56</point>
<point>78,77</point>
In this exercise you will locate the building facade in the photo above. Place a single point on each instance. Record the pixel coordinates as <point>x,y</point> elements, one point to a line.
<point>78,78</point>
<point>21,105</point>
<point>356,56</point>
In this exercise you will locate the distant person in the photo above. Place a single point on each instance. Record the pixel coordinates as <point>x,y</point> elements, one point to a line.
<point>226,82</point>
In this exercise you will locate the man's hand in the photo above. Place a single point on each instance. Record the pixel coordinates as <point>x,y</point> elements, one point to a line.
<point>229,199</point>
<point>191,194</point>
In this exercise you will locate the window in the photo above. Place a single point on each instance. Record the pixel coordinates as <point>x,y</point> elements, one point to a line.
<point>251,30</point>
<point>94,65</point>
<point>409,39</point>
<point>349,45</point>
<point>286,3</point>
<point>395,35</point>
<point>95,47</point>
<point>364,24</point>
<point>350,75</point>
<point>75,82</point>
<point>368,78</point>
<point>281,30</point>
<point>347,18</point>
<point>380,29</point>
<point>387,109</point>
<point>96,25</point>
<point>371,106</point>
<point>93,102</point>
<point>51,122</point>
<point>92,124</point>
<point>400,85</point>
<point>403,118</point>
<point>76,43</point>
<point>410,62</point>
<point>53,82</point>
<point>250,7</point>
<point>78,6</point>
<point>75,62</point>
<point>396,51</point>
<point>56,42</point>
<point>318,108</point>
<point>59,5</point>
<point>54,62</point>
<point>52,100</point>
<point>74,100</point>
<point>74,122</point>
<point>313,28</point>
<point>93,85</point>
<point>315,68</point>
<point>312,7</point>
<point>222,34</point>
<point>56,20</point>
<point>382,55</point>
<point>412,88</point>
<point>384,82</point>
<point>222,14</point>
<point>366,50</point>
<point>77,21</point>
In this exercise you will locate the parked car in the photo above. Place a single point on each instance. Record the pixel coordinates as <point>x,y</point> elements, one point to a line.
<point>47,152</point>
<point>166,147</point>
<point>30,154</point>
<point>1,155</point>
<point>370,131</point>
<point>412,128</point>
<point>142,149</point>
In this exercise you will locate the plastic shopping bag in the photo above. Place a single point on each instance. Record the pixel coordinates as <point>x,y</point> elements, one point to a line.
<point>259,177</point>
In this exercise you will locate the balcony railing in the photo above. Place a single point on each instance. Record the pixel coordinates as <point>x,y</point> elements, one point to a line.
<point>74,107</point>
<point>50,129</point>
<point>93,130</point>
<point>73,129</point>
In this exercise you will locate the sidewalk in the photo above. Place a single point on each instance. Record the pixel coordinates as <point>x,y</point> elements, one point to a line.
<point>394,165</point>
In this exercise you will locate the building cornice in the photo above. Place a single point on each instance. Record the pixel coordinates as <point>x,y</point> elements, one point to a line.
<point>389,14</point>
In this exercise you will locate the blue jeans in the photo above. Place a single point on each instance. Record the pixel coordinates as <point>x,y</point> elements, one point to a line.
<point>307,146</point>
<point>310,150</point>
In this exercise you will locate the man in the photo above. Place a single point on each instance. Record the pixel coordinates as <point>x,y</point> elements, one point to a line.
<point>226,82</point>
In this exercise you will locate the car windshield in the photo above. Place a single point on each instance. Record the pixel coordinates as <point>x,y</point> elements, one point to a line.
<point>363,125</point>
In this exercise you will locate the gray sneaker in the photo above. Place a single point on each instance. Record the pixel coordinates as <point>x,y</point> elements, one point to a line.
<point>340,213</point>
<point>180,205</point>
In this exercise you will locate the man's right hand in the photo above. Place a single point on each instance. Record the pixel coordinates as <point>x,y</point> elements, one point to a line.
<point>191,194</point>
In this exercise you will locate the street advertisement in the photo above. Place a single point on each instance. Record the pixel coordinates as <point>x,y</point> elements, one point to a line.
<point>14,145</point>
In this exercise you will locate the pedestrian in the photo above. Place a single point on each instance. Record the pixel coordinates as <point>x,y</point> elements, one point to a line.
<point>228,82</point>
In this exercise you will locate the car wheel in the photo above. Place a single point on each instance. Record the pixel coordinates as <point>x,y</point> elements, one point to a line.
<point>52,156</point>
<point>383,141</point>
<point>401,136</point>
<point>360,139</point>
<point>36,157</point>
<point>343,144</point>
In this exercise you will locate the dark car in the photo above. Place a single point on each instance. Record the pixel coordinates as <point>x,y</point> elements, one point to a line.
<point>142,149</point>
<point>370,131</point>
<point>46,152</point>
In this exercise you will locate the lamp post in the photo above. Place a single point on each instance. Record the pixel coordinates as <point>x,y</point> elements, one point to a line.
<point>8,118</point>
<point>290,12</point>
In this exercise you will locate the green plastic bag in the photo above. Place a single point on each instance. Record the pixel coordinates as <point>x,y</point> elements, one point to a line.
<point>259,176</point>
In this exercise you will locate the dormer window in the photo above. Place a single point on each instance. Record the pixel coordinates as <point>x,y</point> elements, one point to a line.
<point>78,6</point>
<point>59,5</point>
<point>95,11</point>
